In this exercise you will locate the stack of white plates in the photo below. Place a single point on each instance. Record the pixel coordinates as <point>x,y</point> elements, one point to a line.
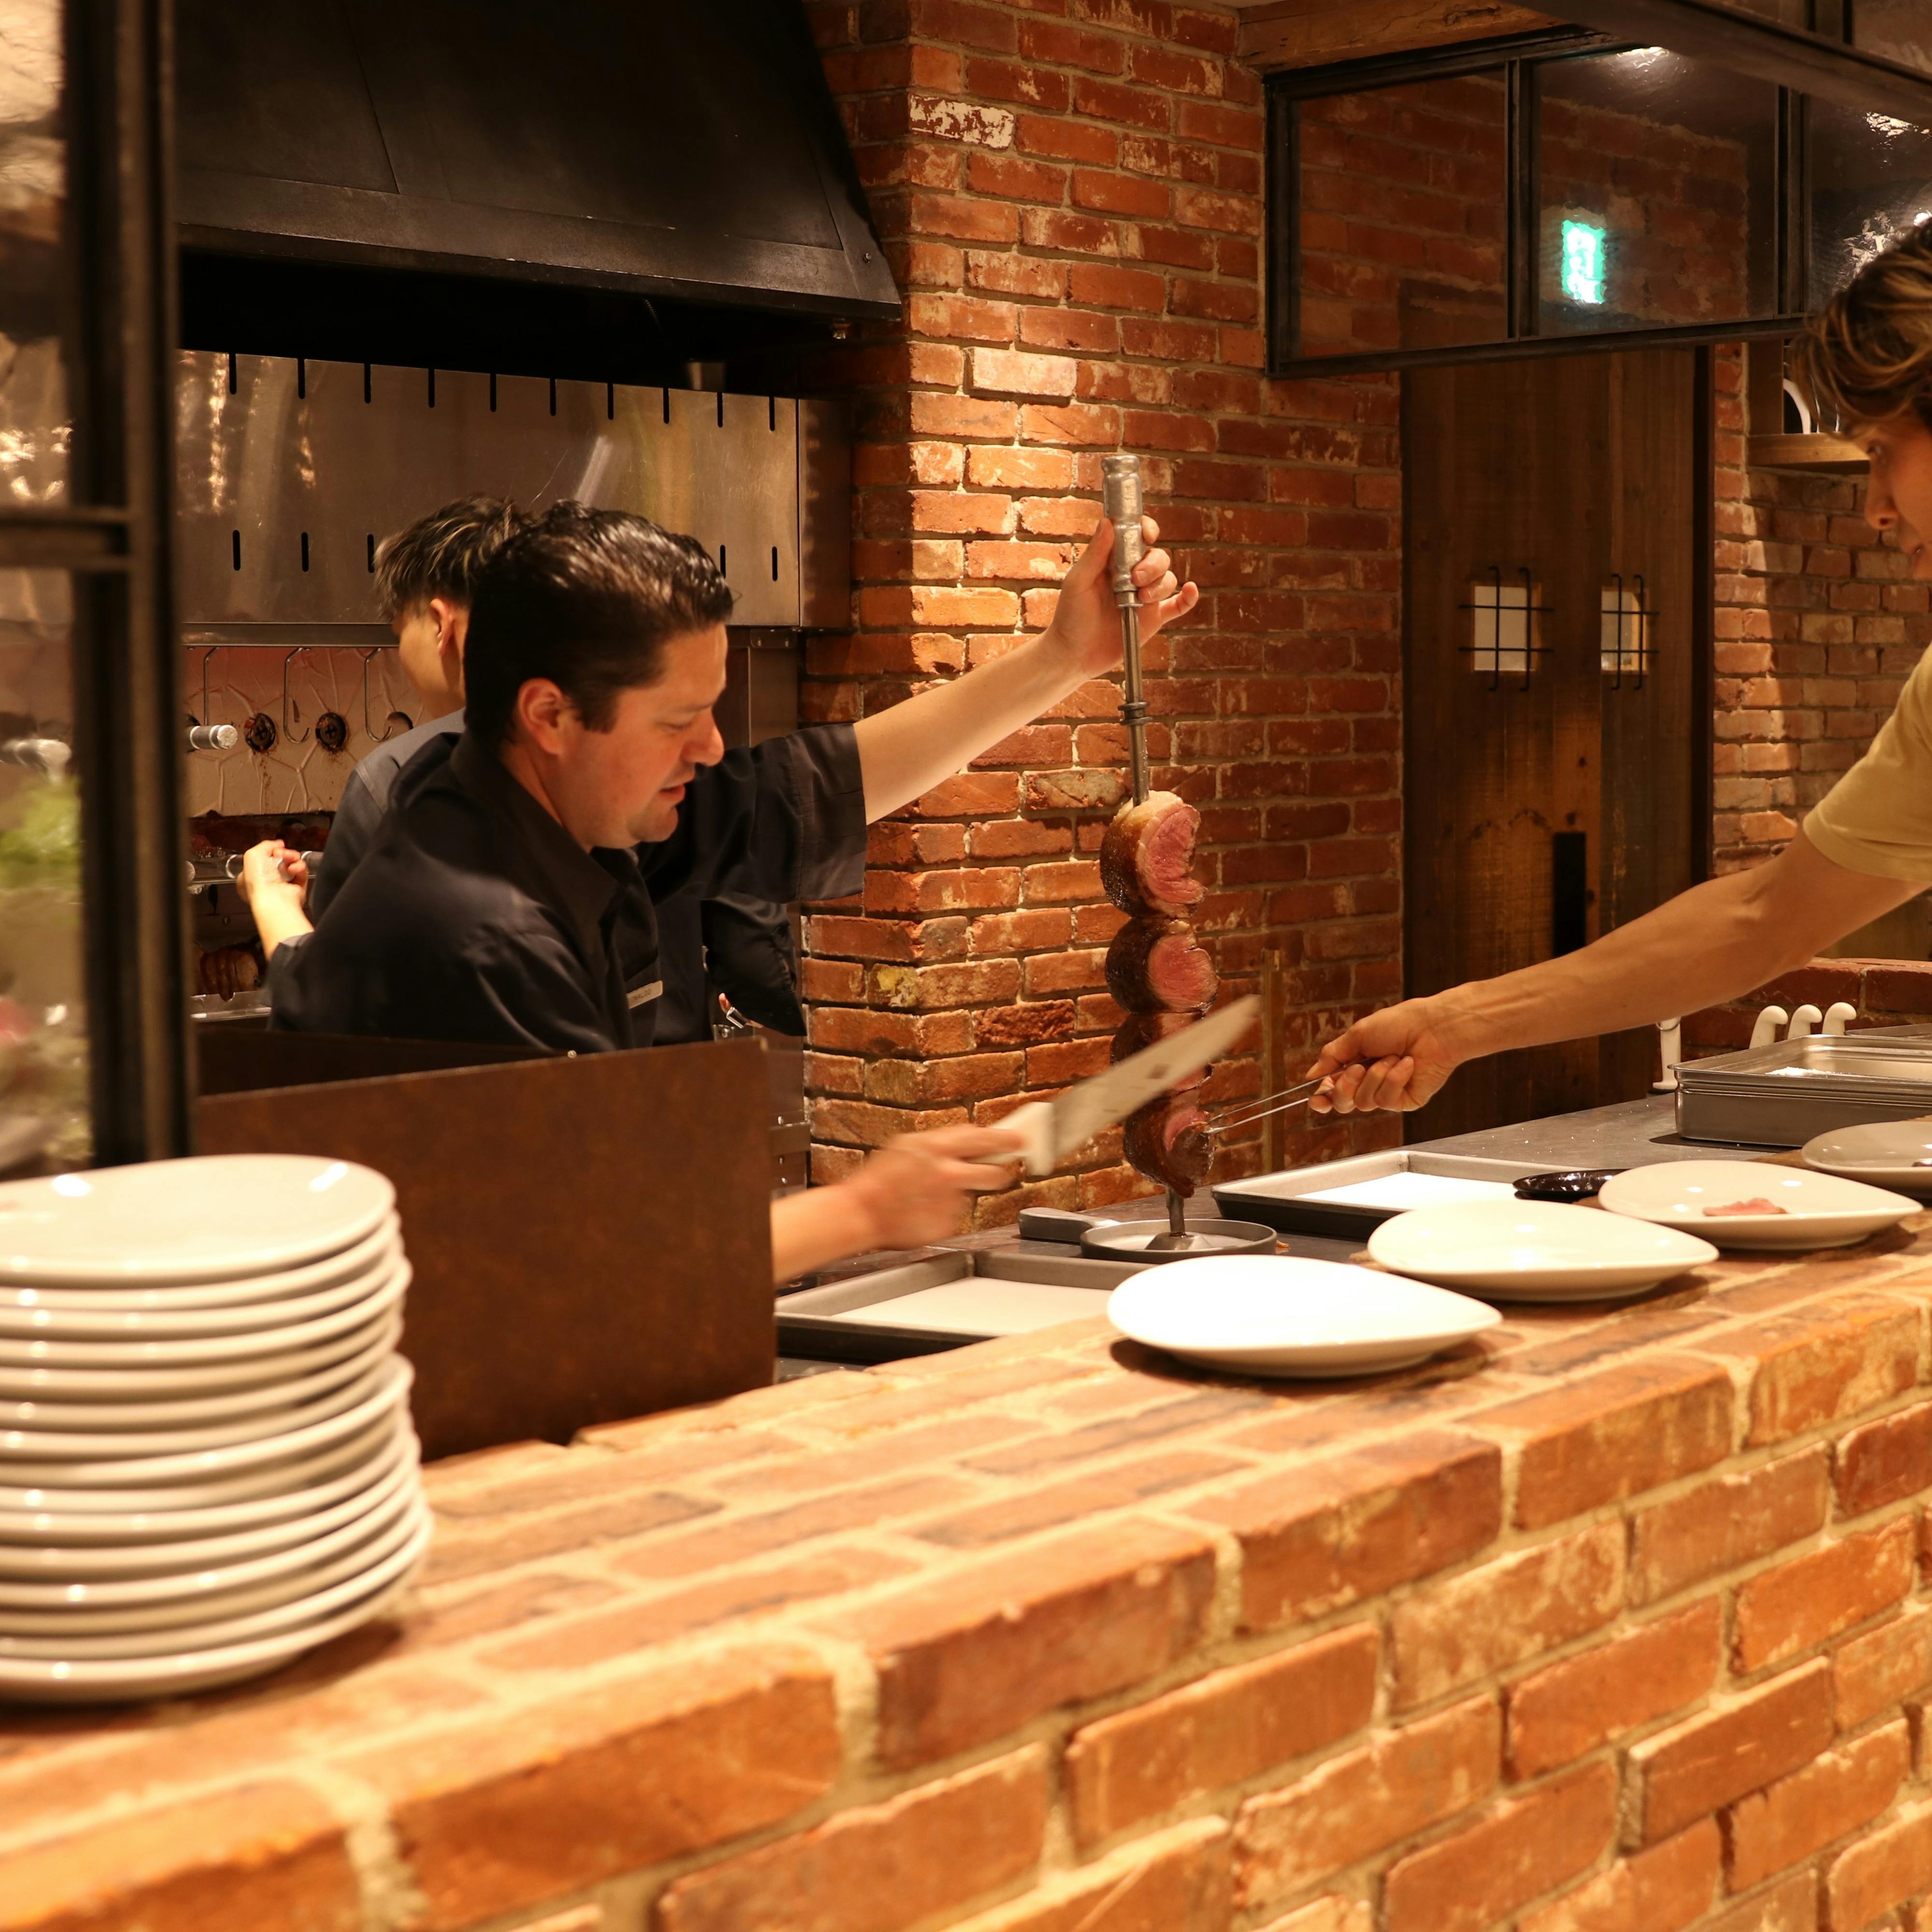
<point>206,1462</point>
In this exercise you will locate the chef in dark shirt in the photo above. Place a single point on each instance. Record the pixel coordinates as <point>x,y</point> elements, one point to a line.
<point>425,580</point>
<point>487,910</point>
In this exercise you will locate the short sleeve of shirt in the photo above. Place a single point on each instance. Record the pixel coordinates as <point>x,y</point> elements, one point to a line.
<point>1877,819</point>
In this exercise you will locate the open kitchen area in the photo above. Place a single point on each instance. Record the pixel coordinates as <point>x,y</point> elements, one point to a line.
<point>965,964</point>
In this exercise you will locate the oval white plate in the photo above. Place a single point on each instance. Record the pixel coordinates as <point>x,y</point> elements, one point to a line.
<point>347,1550</point>
<point>1278,1314</point>
<point>175,1675</point>
<point>1821,1209</point>
<point>312,1513</point>
<point>181,1351</point>
<point>69,1446</point>
<point>390,1390</point>
<point>227,1406</point>
<point>1885,1154</point>
<point>167,1324</point>
<point>92,1519</point>
<point>192,1379</point>
<point>384,1244</point>
<point>1535,1250</point>
<point>208,1218</point>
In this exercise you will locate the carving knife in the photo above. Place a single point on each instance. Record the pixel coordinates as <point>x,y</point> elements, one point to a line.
<point>1054,1128</point>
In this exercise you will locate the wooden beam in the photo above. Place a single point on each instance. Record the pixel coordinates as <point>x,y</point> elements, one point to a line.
<point>1289,34</point>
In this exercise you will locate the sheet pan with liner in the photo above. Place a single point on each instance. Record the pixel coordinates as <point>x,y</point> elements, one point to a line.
<point>1349,1199</point>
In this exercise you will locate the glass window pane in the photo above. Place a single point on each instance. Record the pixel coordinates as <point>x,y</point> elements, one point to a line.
<point>1900,30</point>
<point>1658,184</point>
<point>43,1112</point>
<point>1871,180</point>
<point>1401,218</point>
<point>33,404</point>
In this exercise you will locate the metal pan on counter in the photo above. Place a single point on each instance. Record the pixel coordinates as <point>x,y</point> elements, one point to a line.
<point>1348,1200</point>
<point>1792,1091</point>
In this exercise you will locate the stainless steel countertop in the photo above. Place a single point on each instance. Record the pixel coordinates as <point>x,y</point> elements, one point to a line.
<point>1633,1133</point>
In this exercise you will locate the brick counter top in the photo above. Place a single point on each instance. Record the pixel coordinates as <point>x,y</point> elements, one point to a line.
<point>1615,1623</point>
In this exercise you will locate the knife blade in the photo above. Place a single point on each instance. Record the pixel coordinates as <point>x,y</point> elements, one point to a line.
<point>1054,1128</point>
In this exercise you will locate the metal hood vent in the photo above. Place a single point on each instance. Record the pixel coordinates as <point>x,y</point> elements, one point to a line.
<point>682,148</point>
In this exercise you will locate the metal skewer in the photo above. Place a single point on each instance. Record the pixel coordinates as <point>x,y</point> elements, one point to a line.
<point>1121,500</point>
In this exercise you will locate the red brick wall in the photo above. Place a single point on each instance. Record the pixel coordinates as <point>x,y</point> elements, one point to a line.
<point>1070,192</point>
<point>1818,626</point>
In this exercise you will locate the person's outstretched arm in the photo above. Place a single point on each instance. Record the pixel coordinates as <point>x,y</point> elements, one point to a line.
<point>905,751</point>
<point>1710,943</point>
<point>912,1191</point>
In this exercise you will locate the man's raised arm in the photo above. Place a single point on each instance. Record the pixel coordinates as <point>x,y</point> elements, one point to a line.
<point>906,750</point>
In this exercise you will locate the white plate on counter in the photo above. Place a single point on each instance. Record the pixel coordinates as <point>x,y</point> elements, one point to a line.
<point>211,1217</point>
<point>1816,1211</point>
<point>147,1546</point>
<point>94,1520</point>
<point>1535,1251</point>
<point>1897,1154</point>
<point>385,1244</point>
<point>1278,1314</point>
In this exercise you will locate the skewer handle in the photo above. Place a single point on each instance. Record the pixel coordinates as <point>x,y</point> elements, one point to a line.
<point>1121,498</point>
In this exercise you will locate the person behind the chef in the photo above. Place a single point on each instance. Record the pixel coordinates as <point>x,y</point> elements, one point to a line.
<point>425,579</point>
<point>485,910</point>
<point>1864,848</point>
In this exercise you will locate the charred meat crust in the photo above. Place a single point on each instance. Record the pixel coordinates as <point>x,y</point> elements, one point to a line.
<point>1147,853</point>
<point>1140,1031</point>
<point>1168,1140</point>
<point>1143,980</point>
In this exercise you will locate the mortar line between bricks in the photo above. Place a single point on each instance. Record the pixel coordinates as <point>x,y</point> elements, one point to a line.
<point>391,1898</point>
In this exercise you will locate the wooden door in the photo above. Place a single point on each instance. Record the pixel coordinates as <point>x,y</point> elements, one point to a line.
<point>1545,808</point>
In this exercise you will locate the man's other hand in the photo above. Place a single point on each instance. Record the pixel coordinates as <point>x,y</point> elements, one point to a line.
<point>917,1188</point>
<point>1397,1059</point>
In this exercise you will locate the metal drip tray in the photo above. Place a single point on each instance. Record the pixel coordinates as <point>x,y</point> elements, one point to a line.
<point>1784,1094</point>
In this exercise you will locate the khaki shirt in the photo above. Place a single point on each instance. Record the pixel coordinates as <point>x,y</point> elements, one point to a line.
<point>1877,819</point>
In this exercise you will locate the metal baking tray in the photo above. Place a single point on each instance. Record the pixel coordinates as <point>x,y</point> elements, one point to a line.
<point>1283,1200</point>
<point>1783,1094</point>
<point>854,1320</point>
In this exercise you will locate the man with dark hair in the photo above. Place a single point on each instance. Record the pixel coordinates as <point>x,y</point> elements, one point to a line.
<point>426,578</point>
<point>489,910</point>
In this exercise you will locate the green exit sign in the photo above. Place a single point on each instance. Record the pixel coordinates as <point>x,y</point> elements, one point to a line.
<point>1583,249</point>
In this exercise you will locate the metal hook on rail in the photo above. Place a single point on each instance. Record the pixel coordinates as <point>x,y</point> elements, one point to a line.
<point>369,730</point>
<point>293,737</point>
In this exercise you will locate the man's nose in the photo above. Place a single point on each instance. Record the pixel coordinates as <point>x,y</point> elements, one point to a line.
<point>1881,512</point>
<point>706,745</point>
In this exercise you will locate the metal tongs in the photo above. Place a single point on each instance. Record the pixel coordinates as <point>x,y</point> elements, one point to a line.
<point>1237,1114</point>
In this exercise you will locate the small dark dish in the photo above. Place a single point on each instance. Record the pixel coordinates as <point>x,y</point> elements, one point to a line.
<point>1576,1184</point>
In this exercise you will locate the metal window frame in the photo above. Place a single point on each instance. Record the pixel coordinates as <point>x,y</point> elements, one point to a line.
<point>1799,63</point>
<point>118,251</point>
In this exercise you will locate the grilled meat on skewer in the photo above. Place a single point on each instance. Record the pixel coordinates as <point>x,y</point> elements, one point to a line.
<point>1139,1031</point>
<point>1147,857</point>
<point>1168,1140</point>
<point>1156,965</point>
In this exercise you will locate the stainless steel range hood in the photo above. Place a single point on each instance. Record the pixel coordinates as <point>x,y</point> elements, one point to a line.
<point>684,148</point>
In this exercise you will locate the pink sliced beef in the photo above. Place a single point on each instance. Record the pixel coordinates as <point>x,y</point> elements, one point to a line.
<point>1156,965</point>
<point>1148,856</point>
<point>1168,1140</point>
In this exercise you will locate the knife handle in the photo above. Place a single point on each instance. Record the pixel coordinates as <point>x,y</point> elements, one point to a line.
<point>1034,1123</point>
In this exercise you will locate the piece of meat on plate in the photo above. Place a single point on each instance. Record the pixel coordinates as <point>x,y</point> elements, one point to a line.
<point>1146,858</point>
<point>1758,1206</point>
<point>1139,1031</point>
<point>1168,1140</point>
<point>1156,965</point>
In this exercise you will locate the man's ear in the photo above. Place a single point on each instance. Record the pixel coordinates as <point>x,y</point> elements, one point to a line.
<point>452,631</point>
<point>542,711</point>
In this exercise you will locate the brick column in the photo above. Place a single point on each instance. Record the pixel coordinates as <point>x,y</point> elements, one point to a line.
<point>1072,201</point>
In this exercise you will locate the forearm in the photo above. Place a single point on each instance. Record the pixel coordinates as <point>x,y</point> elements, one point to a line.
<point>813,1229</point>
<point>904,751</point>
<point>1709,944</point>
<point>276,921</point>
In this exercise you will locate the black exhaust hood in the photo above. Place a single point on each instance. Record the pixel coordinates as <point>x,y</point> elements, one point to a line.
<point>686,148</point>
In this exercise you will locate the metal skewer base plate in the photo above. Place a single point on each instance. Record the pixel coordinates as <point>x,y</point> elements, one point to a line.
<point>1152,1241</point>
